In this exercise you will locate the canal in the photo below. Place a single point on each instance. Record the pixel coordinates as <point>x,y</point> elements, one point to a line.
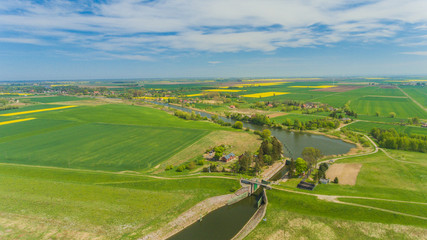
<point>223,223</point>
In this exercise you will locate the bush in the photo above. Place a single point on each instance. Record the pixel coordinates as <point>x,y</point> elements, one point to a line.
<point>190,165</point>
<point>169,167</point>
<point>335,180</point>
<point>238,125</point>
<point>180,168</point>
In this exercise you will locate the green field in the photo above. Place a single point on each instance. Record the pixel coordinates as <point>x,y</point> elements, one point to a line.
<point>107,137</point>
<point>296,216</point>
<point>57,99</point>
<point>409,208</point>
<point>417,93</point>
<point>43,203</point>
<point>366,127</point>
<point>382,177</point>
<point>403,107</point>
<point>301,117</point>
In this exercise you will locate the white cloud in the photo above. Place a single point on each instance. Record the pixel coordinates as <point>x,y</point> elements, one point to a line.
<point>208,25</point>
<point>214,62</point>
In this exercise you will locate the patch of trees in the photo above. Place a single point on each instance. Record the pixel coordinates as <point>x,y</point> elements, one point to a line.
<point>391,139</point>
<point>311,124</point>
<point>258,119</point>
<point>189,116</point>
<point>219,121</point>
<point>269,152</point>
<point>8,108</point>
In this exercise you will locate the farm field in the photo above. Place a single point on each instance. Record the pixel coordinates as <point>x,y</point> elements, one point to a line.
<point>403,107</point>
<point>301,117</point>
<point>417,93</point>
<point>53,99</point>
<point>107,137</point>
<point>366,127</point>
<point>52,203</point>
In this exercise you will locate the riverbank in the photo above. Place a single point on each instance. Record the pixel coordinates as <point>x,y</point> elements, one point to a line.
<point>192,215</point>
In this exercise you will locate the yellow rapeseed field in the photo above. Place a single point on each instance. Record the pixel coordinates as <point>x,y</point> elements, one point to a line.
<point>323,86</point>
<point>264,94</point>
<point>259,84</point>
<point>194,95</point>
<point>15,121</point>
<point>19,94</point>
<point>222,90</point>
<point>35,111</point>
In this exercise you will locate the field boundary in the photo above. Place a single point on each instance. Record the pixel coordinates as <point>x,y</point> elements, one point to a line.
<point>413,100</point>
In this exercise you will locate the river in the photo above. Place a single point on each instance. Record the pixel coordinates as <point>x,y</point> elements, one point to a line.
<point>294,142</point>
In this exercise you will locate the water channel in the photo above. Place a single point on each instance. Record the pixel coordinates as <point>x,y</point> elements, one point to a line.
<point>294,142</point>
<point>223,223</point>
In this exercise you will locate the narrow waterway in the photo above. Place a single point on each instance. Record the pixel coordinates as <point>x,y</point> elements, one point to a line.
<point>223,223</point>
<point>294,142</point>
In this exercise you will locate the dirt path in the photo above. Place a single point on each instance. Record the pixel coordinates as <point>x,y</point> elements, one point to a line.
<point>413,100</point>
<point>334,199</point>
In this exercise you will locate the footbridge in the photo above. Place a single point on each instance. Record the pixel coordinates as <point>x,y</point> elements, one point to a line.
<point>255,184</point>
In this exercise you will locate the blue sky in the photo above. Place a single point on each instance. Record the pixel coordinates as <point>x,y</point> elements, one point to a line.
<point>83,39</point>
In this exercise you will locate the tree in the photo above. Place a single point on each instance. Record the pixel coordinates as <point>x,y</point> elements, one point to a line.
<point>277,149</point>
<point>416,120</point>
<point>335,180</point>
<point>300,166</point>
<point>291,168</point>
<point>392,114</point>
<point>238,125</point>
<point>245,161</point>
<point>265,134</point>
<point>311,155</point>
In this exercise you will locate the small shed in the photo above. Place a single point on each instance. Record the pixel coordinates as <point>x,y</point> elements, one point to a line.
<point>324,181</point>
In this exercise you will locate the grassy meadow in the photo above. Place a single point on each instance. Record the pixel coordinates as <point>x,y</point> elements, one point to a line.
<point>51,203</point>
<point>296,216</point>
<point>52,99</point>
<point>106,137</point>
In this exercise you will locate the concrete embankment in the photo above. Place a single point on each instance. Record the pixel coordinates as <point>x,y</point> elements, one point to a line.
<point>254,221</point>
<point>193,214</point>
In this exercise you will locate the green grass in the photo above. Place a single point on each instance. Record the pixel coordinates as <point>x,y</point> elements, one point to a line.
<point>301,117</point>
<point>125,115</point>
<point>94,203</point>
<point>409,208</point>
<point>417,93</point>
<point>382,177</point>
<point>57,99</point>
<point>366,127</point>
<point>100,146</point>
<point>295,216</point>
<point>107,137</point>
<point>403,107</point>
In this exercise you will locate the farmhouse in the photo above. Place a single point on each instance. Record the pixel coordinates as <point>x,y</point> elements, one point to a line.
<point>228,157</point>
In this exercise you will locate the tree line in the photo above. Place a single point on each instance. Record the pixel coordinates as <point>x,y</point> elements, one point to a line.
<point>391,139</point>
